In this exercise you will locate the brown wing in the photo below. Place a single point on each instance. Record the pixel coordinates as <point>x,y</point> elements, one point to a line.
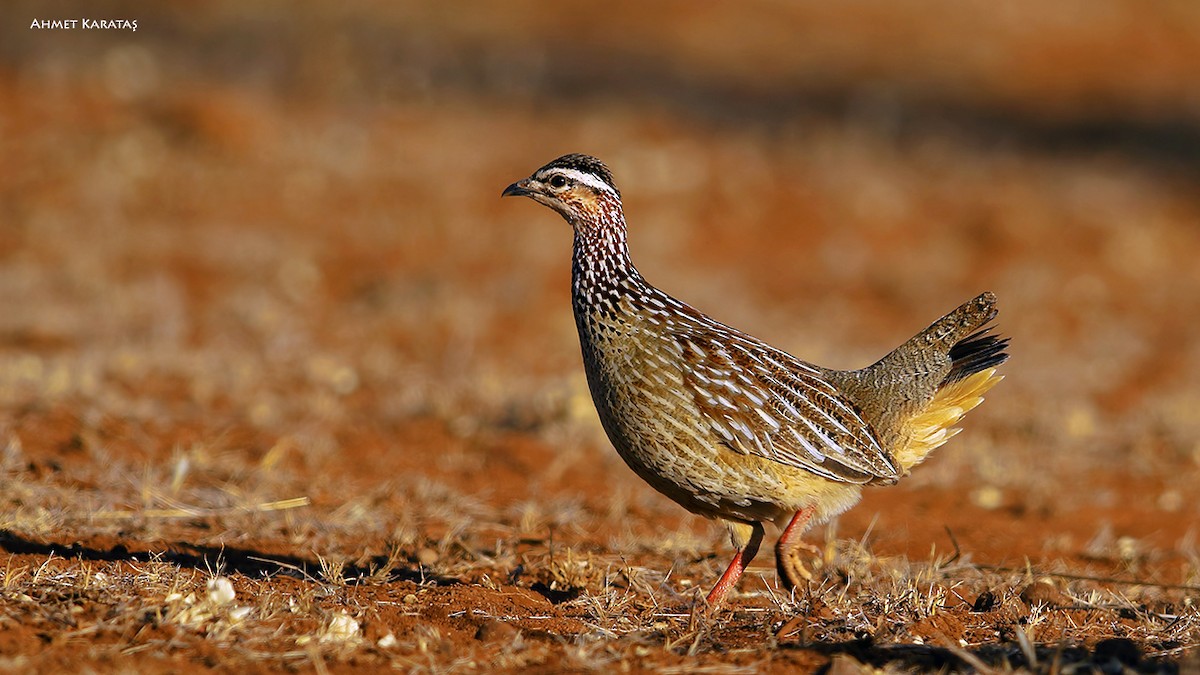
<point>765,402</point>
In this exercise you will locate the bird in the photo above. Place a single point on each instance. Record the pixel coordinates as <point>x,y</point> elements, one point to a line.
<point>731,428</point>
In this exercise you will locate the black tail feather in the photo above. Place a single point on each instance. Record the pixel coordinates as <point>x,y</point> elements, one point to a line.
<point>976,352</point>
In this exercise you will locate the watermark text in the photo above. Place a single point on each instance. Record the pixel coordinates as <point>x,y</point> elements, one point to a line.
<point>84,24</point>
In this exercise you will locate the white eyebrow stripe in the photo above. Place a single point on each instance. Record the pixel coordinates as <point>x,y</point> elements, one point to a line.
<point>585,178</point>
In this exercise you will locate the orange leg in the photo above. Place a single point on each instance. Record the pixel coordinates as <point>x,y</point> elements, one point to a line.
<point>787,565</point>
<point>741,560</point>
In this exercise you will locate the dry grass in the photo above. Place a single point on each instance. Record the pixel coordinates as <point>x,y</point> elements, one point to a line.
<point>467,587</point>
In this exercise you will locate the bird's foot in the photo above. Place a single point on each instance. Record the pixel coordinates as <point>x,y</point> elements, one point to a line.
<point>790,564</point>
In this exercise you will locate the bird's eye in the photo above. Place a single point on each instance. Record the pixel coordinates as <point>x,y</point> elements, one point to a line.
<point>558,181</point>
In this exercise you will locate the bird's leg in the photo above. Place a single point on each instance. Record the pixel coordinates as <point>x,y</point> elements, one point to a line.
<point>741,560</point>
<point>788,565</point>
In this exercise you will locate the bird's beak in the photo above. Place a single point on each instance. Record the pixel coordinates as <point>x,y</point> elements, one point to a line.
<point>517,189</point>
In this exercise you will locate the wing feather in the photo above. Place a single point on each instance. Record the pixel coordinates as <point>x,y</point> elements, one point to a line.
<point>765,402</point>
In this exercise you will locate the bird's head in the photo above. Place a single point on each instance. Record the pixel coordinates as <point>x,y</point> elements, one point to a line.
<point>579,187</point>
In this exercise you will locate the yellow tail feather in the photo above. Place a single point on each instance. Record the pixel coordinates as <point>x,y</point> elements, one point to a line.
<point>932,427</point>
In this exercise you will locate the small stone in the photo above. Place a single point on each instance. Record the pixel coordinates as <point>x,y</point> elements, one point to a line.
<point>1043,592</point>
<point>495,630</point>
<point>988,497</point>
<point>1081,422</point>
<point>1128,548</point>
<point>985,602</point>
<point>1171,500</point>
<point>342,628</point>
<point>410,599</point>
<point>220,591</point>
<point>427,556</point>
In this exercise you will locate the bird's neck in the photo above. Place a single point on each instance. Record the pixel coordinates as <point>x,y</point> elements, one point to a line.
<point>601,270</point>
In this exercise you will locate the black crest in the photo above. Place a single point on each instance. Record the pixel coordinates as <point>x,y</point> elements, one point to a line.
<point>586,164</point>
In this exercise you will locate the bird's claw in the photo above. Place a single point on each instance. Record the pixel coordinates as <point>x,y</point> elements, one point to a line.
<point>792,570</point>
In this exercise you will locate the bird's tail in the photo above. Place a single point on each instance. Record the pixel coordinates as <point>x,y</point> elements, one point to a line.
<point>973,363</point>
<point>972,374</point>
<point>915,395</point>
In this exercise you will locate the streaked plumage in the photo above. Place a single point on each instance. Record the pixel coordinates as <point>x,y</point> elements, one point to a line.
<point>730,427</point>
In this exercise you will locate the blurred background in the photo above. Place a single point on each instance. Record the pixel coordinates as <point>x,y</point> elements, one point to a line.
<point>247,226</point>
